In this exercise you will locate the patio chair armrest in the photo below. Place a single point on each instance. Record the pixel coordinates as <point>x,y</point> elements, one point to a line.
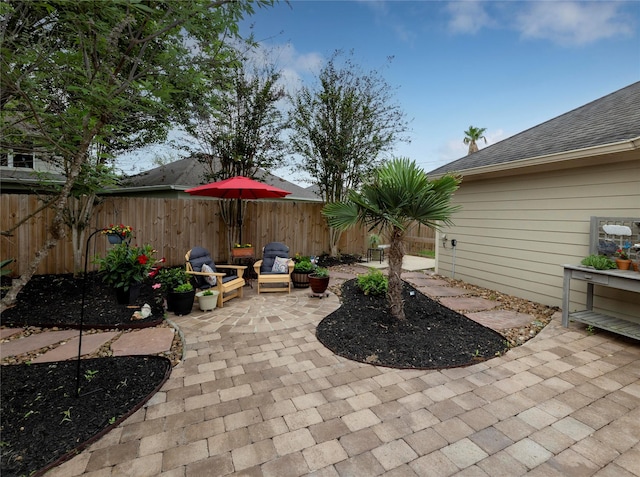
<point>217,274</point>
<point>256,266</point>
<point>238,268</point>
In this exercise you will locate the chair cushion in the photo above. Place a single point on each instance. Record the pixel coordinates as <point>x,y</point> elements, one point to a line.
<point>271,251</point>
<point>211,279</point>
<point>198,257</point>
<point>280,265</point>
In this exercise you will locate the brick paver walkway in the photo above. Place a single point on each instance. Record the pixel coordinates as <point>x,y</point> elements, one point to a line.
<point>277,403</point>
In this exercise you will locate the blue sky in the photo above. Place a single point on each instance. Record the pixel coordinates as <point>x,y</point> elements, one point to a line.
<point>504,66</point>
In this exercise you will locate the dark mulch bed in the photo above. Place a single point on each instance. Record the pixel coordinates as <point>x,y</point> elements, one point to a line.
<point>432,336</point>
<point>55,300</point>
<point>44,422</point>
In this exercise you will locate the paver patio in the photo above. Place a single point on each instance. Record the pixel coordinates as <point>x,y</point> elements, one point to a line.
<point>248,401</point>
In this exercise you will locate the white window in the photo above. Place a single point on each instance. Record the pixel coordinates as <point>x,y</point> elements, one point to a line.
<point>17,159</point>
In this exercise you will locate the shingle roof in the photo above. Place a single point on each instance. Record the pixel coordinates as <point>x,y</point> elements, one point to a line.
<point>611,119</point>
<point>188,172</point>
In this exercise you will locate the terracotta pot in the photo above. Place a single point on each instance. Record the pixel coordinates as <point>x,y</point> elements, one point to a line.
<point>623,264</point>
<point>242,252</point>
<point>318,285</point>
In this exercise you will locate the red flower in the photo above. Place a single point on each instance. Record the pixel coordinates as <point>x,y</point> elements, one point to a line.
<point>142,259</point>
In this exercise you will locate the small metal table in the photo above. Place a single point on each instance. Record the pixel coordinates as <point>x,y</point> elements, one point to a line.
<point>370,251</point>
<point>622,279</point>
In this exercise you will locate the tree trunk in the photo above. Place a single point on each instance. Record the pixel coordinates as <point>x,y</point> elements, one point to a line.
<point>78,217</point>
<point>57,229</point>
<point>396,252</point>
<point>334,238</point>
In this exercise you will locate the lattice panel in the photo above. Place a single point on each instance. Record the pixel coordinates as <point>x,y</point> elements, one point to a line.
<point>599,237</point>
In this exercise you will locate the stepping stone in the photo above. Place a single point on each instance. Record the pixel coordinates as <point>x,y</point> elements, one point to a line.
<point>501,319</point>
<point>6,332</point>
<point>146,341</point>
<point>437,291</point>
<point>90,344</point>
<point>425,281</point>
<point>468,303</point>
<point>34,342</point>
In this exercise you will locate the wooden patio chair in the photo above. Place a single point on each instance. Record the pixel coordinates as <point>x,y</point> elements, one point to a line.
<point>228,286</point>
<point>275,268</point>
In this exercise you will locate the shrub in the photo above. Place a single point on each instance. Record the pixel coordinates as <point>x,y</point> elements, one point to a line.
<point>321,272</point>
<point>373,283</point>
<point>304,266</point>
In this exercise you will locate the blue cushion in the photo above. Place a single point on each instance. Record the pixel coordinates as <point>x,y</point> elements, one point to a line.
<point>271,251</point>
<point>198,257</point>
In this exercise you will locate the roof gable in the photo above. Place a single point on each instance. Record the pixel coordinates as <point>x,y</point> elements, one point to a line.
<point>188,172</point>
<point>611,119</point>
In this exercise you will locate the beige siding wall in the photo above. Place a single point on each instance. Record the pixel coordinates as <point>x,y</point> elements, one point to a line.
<point>515,233</point>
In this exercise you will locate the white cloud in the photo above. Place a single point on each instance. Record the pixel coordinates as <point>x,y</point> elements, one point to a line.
<point>573,23</point>
<point>468,17</point>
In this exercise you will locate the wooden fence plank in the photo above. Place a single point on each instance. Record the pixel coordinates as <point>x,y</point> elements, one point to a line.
<point>173,226</point>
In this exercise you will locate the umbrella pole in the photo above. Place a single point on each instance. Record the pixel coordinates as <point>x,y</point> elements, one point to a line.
<point>239,205</point>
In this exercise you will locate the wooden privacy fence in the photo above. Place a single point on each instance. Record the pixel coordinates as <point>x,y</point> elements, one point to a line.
<point>172,226</point>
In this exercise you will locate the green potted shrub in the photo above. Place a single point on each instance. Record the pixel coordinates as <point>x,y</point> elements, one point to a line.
<point>319,280</point>
<point>207,299</point>
<point>176,286</point>
<point>125,268</point>
<point>301,270</point>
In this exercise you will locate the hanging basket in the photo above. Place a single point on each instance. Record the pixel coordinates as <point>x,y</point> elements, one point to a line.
<point>115,239</point>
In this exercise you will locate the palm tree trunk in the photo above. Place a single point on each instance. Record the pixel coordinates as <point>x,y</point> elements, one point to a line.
<point>396,252</point>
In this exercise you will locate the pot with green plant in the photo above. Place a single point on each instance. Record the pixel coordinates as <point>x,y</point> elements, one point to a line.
<point>125,268</point>
<point>207,299</point>
<point>319,281</point>
<point>175,285</point>
<point>182,298</point>
<point>301,270</point>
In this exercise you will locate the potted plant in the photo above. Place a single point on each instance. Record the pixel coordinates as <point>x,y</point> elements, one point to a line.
<point>175,285</point>
<point>301,270</point>
<point>207,299</point>
<point>319,280</point>
<point>623,262</point>
<point>242,250</point>
<point>125,268</point>
<point>118,233</point>
<point>182,298</point>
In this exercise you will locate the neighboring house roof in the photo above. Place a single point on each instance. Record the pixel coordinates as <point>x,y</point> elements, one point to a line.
<point>606,125</point>
<point>187,173</point>
<point>20,180</point>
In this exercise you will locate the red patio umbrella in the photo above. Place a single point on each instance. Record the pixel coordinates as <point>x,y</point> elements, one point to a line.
<point>240,188</point>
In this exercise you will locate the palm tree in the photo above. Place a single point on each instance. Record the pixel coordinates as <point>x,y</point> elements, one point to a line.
<point>399,197</point>
<point>472,136</point>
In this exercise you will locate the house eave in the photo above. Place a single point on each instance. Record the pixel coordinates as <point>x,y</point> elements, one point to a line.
<point>552,159</point>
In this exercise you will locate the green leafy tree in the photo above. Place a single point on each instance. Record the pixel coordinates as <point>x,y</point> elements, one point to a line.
<point>119,73</point>
<point>342,128</point>
<point>472,136</point>
<point>400,196</point>
<point>239,131</point>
